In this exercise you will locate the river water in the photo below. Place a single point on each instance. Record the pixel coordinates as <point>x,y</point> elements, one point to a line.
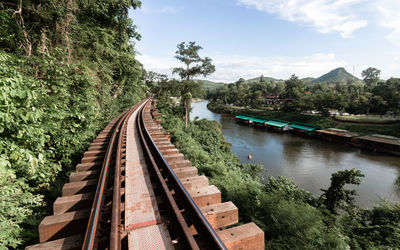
<point>308,162</point>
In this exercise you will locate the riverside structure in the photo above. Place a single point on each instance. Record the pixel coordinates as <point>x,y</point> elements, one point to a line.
<point>377,143</point>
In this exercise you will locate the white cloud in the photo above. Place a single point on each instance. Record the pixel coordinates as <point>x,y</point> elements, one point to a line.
<point>231,68</point>
<point>389,18</point>
<point>326,16</point>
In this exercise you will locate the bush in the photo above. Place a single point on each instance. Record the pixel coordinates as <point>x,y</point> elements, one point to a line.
<point>283,210</point>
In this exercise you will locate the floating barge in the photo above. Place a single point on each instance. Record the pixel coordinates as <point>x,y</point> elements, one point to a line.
<point>259,122</point>
<point>303,128</point>
<point>251,120</point>
<point>278,125</point>
<point>244,119</point>
<point>379,143</point>
<point>336,135</point>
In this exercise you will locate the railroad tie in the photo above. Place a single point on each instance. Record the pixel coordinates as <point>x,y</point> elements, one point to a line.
<point>207,197</point>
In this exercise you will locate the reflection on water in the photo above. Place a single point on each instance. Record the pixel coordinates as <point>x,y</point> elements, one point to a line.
<point>308,162</point>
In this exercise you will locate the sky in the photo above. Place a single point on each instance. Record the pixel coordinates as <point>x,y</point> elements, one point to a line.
<point>274,38</point>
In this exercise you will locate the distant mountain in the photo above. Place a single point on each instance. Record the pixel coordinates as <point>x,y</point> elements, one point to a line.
<point>308,79</point>
<point>266,78</point>
<point>210,85</point>
<point>336,75</point>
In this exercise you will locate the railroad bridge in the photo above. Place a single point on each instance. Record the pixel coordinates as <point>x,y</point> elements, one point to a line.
<point>134,190</point>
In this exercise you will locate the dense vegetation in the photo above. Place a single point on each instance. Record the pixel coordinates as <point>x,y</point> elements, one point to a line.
<point>293,100</point>
<point>66,68</point>
<point>335,76</point>
<point>379,97</point>
<point>291,217</point>
<point>316,119</point>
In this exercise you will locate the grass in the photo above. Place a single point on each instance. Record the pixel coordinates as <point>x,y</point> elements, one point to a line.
<point>369,118</point>
<point>363,129</point>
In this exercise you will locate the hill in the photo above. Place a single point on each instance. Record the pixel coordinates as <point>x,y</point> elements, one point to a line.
<point>266,78</point>
<point>308,79</point>
<point>210,85</point>
<point>336,75</point>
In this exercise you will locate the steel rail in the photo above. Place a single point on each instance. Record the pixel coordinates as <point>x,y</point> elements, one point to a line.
<point>95,213</point>
<point>201,224</point>
<point>115,234</point>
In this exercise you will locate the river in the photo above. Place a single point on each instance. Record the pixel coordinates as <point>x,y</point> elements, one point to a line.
<point>308,162</point>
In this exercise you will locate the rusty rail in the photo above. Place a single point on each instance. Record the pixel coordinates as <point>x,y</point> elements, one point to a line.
<point>95,213</point>
<point>97,185</point>
<point>195,217</point>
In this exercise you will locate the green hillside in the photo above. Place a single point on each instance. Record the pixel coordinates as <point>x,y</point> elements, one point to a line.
<point>266,78</point>
<point>308,79</point>
<point>336,75</point>
<point>210,85</point>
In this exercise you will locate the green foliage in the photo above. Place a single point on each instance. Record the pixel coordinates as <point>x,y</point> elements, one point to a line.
<point>285,212</point>
<point>66,68</point>
<point>335,76</point>
<point>378,228</point>
<point>16,207</point>
<point>293,95</point>
<point>336,196</point>
<point>188,54</point>
<point>291,217</point>
<point>371,75</point>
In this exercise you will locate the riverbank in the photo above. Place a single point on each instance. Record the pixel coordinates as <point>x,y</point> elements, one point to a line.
<point>194,100</point>
<point>321,121</point>
<point>277,204</point>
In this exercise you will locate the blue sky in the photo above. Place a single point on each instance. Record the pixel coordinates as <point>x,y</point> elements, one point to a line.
<point>276,38</point>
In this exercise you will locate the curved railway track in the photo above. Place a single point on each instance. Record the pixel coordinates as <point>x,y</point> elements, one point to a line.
<point>132,188</point>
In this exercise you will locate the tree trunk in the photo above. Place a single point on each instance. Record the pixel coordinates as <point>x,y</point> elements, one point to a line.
<point>187,99</point>
<point>186,113</point>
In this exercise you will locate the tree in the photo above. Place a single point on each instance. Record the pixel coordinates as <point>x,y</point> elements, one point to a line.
<point>336,196</point>
<point>194,66</point>
<point>371,76</point>
<point>294,93</point>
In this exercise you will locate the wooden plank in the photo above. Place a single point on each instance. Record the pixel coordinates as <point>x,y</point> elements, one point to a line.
<point>195,182</point>
<point>68,243</point>
<point>62,225</point>
<point>79,187</point>
<point>205,196</point>
<point>72,203</point>
<point>186,172</point>
<point>84,175</point>
<point>247,236</point>
<point>221,214</point>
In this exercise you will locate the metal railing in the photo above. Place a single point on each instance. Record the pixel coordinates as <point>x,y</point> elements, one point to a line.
<point>91,234</point>
<point>204,229</point>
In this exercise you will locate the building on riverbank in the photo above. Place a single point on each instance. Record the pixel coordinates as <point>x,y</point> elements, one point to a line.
<point>335,135</point>
<point>303,128</point>
<point>379,143</point>
<point>278,125</point>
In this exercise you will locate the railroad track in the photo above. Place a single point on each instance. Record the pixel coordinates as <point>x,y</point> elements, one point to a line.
<point>133,189</point>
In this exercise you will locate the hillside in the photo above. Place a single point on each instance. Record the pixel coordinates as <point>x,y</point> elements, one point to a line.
<point>308,79</point>
<point>67,70</point>
<point>336,75</point>
<point>333,76</point>
<point>266,78</point>
<point>210,85</point>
